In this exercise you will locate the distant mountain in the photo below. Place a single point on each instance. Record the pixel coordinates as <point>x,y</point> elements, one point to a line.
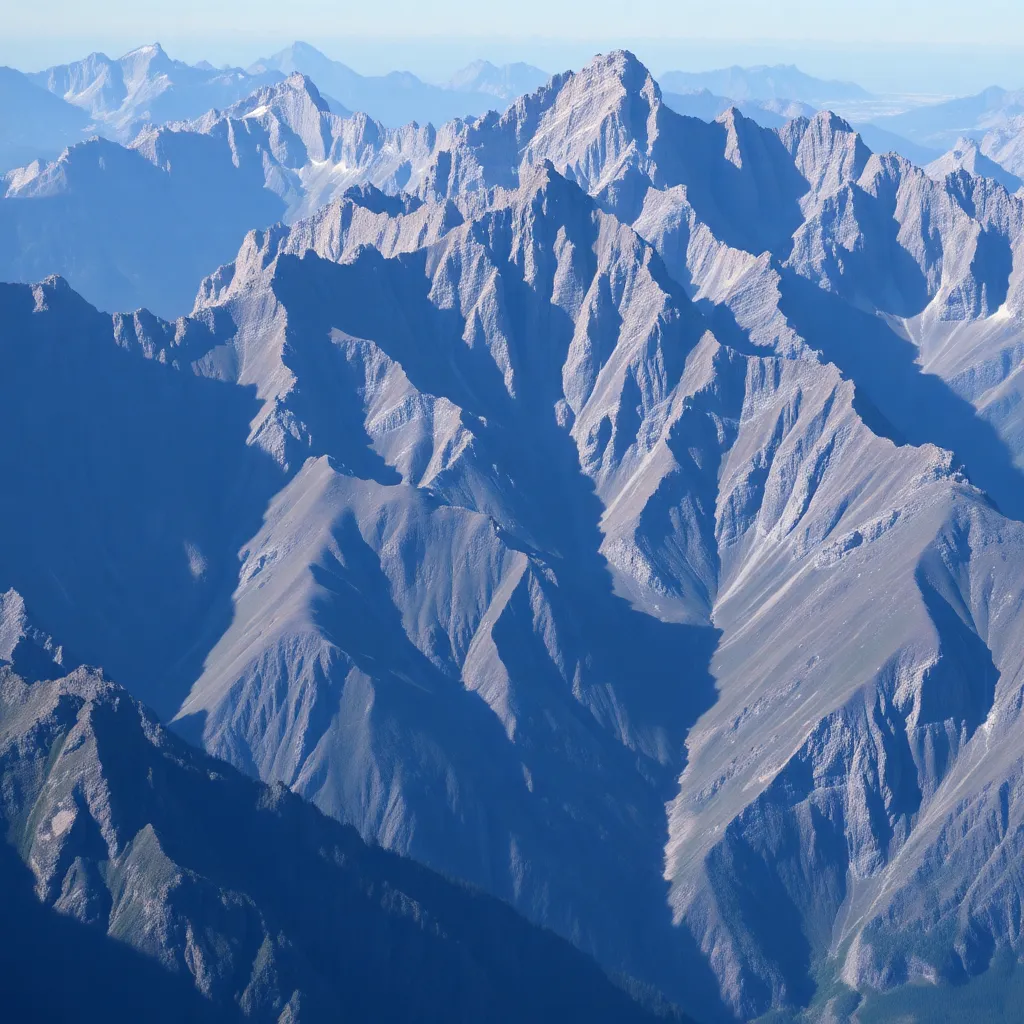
<point>775,113</point>
<point>1005,145</point>
<point>707,106</point>
<point>940,125</point>
<point>399,98</point>
<point>878,140</point>
<point>783,81</point>
<point>198,186</point>
<point>133,226</point>
<point>146,86</point>
<point>33,124</point>
<point>506,82</point>
<point>967,155</point>
<point>175,888</point>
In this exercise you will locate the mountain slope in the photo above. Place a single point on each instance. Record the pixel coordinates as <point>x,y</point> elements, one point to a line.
<point>267,907</point>
<point>449,477</point>
<point>149,488</point>
<point>33,124</point>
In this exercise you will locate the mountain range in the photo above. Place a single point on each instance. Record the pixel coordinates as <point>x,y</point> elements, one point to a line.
<point>781,82</point>
<point>774,113</point>
<point>75,216</point>
<point>941,124</point>
<point>280,153</point>
<point>119,97</point>
<point>171,887</point>
<point>769,113</point>
<point>507,82</point>
<point>145,86</point>
<point>400,97</point>
<point>618,510</point>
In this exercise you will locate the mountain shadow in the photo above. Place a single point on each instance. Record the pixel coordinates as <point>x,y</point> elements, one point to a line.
<point>135,489</point>
<point>920,406</point>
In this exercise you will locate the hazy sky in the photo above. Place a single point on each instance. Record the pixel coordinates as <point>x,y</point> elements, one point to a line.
<point>944,21</point>
<point>927,45</point>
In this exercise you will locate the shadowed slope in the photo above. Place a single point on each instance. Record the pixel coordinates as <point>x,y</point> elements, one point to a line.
<point>135,488</point>
<point>253,896</point>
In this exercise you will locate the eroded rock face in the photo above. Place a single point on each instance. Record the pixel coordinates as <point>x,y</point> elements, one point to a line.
<point>270,910</point>
<point>619,511</point>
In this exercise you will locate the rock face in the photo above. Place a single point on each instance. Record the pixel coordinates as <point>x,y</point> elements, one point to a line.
<point>24,647</point>
<point>270,910</point>
<point>617,510</point>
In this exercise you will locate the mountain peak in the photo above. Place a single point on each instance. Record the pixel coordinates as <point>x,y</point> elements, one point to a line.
<point>731,115</point>
<point>994,92</point>
<point>607,82</point>
<point>140,63</point>
<point>149,50</point>
<point>965,146</point>
<point>301,47</point>
<point>32,653</point>
<point>967,156</point>
<point>622,64</point>
<point>296,88</point>
<point>832,122</point>
<point>299,82</point>
<point>543,179</point>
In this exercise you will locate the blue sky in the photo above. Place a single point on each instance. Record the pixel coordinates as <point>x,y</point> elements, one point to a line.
<point>920,45</point>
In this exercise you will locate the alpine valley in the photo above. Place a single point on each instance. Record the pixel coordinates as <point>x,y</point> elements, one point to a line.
<point>616,510</point>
